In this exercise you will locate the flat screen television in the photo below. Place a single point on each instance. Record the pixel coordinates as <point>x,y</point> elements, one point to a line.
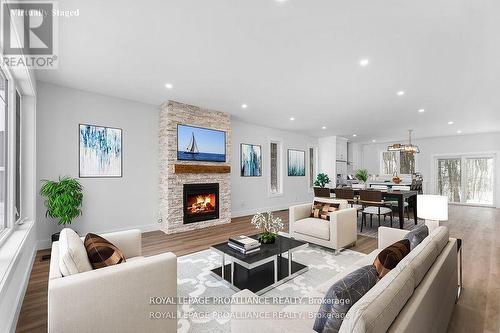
<point>200,144</point>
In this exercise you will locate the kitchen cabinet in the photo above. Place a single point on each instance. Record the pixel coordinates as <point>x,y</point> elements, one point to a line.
<point>341,149</point>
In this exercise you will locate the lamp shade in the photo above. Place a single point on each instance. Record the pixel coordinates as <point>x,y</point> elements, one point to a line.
<point>432,207</point>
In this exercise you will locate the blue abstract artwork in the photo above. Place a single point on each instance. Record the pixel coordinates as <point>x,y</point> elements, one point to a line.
<point>100,151</point>
<point>251,160</point>
<point>200,144</point>
<point>296,162</point>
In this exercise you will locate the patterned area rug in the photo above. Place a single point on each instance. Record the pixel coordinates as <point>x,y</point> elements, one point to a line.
<point>196,281</point>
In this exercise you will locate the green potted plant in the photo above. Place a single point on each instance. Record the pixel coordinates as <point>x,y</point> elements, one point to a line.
<point>319,190</point>
<point>269,225</point>
<point>362,176</point>
<point>63,200</point>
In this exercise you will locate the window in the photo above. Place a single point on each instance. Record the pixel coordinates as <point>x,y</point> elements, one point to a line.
<point>398,162</point>
<point>466,179</point>
<point>18,157</point>
<point>450,178</point>
<point>3,149</point>
<point>312,169</point>
<point>389,162</point>
<point>275,158</point>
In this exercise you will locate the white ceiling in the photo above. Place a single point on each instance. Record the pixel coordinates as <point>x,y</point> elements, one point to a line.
<point>298,58</point>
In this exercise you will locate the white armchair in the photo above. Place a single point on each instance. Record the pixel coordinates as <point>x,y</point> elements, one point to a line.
<point>336,234</point>
<point>114,298</point>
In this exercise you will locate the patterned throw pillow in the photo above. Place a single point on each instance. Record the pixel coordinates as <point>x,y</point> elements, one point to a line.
<point>391,256</point>
<point>417,235</point>
<point>101,252</point>
<point>322,210</point>
<point>342,296</point>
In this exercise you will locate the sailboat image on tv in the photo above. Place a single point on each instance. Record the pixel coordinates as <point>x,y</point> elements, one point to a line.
<point>200,144</point>
<point>192,148</point>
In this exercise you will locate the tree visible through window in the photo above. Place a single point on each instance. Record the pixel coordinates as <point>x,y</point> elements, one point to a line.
<point>450,178</point>
<point>390,162</point>
<point>398,162</point>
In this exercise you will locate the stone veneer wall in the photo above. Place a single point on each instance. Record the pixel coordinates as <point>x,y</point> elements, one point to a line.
<point>171,184</point>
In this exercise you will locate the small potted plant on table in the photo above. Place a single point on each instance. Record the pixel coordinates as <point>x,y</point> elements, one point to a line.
<point>362,176</point>
<point>269,225</point>
<point>63,200</point>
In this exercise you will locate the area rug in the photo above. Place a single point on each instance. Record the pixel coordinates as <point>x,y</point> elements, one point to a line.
<point>196,281</point>
<point>373,231</point>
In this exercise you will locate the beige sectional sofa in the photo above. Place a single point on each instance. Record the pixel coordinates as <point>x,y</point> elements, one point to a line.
<point>417,296</point>
<point>336,234</point>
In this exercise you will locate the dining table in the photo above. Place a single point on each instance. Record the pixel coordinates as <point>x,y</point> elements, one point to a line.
<point>397,195</point>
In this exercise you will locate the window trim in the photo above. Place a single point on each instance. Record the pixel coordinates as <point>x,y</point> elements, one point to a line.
<point>279,193</point>
<point>10,221</point>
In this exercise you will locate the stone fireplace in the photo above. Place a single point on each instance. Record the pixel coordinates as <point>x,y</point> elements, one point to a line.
<point>189,199</point>
<point>201,202</point>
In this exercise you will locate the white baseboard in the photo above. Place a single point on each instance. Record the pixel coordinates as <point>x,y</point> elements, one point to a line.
<point>47,243</point>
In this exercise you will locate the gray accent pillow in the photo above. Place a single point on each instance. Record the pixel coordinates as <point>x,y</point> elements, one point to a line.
<point>417,235</point>
<point>341,297</point>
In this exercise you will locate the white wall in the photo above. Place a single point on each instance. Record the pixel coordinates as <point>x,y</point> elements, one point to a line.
<point>251,194</point>
<point>109,203</point>
<point>328,158</point>
<point>432,147</point>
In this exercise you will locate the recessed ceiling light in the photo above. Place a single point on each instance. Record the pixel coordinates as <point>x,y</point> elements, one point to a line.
<point>400,93</point>
<point>292,118</point>
<point>354,135</point>
<point>459,131</point>
<point>364,62</point>
<point>169,85</point>
<point>450,123</point>
<point>421,111</point>
<point>244,106</point>
<point>281,0</point>
<point>324,127</point>
<point>374,140</point>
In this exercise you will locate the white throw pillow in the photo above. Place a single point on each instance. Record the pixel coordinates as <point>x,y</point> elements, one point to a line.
<point>72,254</point>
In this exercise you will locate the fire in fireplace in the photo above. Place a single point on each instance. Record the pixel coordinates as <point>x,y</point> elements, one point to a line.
<point>201,202</point>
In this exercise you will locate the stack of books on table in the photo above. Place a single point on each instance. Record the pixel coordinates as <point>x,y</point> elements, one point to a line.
<point>244,244</point>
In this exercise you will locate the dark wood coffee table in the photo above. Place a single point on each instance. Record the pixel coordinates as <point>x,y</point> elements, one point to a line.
<point>262,270</point>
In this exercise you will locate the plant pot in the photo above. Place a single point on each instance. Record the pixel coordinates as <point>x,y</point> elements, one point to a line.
<point>322,192</point>
<point>55,237</point>
<point>267,238</point>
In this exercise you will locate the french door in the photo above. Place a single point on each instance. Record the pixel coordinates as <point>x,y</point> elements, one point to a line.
<point>466,179</point>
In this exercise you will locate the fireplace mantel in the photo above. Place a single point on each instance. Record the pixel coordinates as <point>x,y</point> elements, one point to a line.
<point>201,168</point>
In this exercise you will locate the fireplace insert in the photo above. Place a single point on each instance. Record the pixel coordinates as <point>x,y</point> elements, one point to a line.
<point>201,202</point>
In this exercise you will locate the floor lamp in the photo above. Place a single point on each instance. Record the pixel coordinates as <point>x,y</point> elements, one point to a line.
<point>432,208</point>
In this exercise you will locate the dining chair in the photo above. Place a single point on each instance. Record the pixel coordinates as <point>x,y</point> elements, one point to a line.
<point>373,204</point>
<point>347,193</point>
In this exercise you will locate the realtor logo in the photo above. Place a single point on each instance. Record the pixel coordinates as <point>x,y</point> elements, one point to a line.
<point>28,34</point>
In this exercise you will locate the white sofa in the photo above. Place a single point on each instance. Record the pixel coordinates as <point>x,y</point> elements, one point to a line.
<point>336,234</point>
<point>114,298</point>
<point>417,296</point>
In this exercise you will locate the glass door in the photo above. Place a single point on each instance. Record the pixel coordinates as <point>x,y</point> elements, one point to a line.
<point>466,179</point>
<point>479,181</point>
<point>450,178</point>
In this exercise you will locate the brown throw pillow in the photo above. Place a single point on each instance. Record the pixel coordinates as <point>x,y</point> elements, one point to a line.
<point>322,210</point>
<point>391,256</point>
<point>101,252</point>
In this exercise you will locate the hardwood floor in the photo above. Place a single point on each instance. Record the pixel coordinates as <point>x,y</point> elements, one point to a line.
<point>477,310</point>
